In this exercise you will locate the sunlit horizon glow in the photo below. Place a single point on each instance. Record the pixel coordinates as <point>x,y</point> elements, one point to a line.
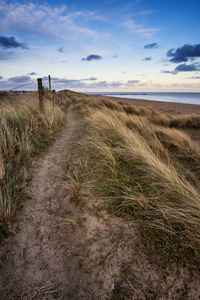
<point>113,46</point>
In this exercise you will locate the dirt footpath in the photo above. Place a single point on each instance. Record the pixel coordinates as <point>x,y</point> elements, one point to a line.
<point>62,251</point>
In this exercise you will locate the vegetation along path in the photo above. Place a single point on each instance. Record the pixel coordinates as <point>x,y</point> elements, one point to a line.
<point>64,251</point>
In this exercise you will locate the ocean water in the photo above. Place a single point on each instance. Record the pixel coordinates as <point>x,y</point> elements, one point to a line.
<point>190,98</point>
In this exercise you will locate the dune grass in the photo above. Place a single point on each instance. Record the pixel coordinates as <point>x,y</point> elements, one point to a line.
<point>24,133</point>
<point>142,169</point>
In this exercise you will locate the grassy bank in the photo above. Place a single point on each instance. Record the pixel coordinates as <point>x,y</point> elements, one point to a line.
<point>24,133</point>
<point>135,162</point>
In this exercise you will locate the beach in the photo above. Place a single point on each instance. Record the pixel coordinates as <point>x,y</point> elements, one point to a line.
<point>169,107</point>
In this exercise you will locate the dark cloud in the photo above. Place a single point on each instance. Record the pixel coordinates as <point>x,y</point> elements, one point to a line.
<point>92,57</point>
<point>1,77</point>
<point>184,53</point>
<point>32,73</point>
<point>178,59</point>
<point>183,68</point>
<point>20,79</point>
<point>147,58</point>
<point>61,50</point>
<point>187,68</point>
<point>10,42</point>
<point>151,46</point>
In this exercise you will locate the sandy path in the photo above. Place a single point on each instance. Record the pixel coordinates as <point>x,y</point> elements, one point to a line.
<point>62,251</point>
<point>36,252</point>
<point>51,257</point>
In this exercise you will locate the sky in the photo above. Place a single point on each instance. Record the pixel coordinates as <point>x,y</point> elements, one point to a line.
<point>101,46</point>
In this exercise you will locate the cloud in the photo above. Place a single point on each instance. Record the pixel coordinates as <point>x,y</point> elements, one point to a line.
<point>183,68</point>
<point>132,82</point>
<point>32,73</point>
<point>49,22</point>
<point>92,57</point>
<point>195,77</point>
<point>10,42</point>
<point>184,53</point>
<point>20,79</point>
<point>133,27</point>
<point>115,56</point>
<point>90,79</point>
<point>61,50</point>
<point>147,58</point>
<point>1,77</point>
<point>187,68</point>
<point>151,46</point>
<point>178,59</point>
<point>62,83</point>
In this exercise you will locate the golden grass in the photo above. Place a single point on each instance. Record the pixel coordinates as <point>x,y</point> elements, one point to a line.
<point>143,169</point>
<point>24,132</point>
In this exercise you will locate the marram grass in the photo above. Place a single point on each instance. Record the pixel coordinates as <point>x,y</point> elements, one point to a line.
<point>142,169</point>
<point>24,132</point>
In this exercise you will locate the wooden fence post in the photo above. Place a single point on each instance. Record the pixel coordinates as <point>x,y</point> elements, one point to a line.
<point>2,170</point>
<point>50,82</point>
<point>40,92</point>
<point>54,98</point>
<point>62,99</point>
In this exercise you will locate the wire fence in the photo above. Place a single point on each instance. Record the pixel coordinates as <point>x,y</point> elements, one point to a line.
<point>17,87</point>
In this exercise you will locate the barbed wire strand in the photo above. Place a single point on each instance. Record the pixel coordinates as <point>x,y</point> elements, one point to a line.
<point>23,85</point>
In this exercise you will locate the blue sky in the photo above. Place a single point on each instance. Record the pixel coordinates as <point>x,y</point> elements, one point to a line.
<point>110,45</point>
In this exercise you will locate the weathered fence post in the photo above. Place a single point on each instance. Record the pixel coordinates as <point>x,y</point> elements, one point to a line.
<point>54,98</point>
<point>40,92</point>
<point>62,99</point>
<point>50,82</point>
<point>2,170</point>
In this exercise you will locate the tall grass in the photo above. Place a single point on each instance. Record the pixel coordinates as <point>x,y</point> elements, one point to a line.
<point>143,170</point>
<point>24,133</point>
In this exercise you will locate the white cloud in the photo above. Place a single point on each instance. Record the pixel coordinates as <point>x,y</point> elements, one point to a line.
<point>46,21</point>
<point>133,27</point>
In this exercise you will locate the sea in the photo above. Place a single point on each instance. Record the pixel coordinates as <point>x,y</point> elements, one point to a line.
<point>190,98</point>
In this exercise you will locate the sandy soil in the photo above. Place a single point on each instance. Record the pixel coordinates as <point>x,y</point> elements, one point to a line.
<point>64,251</point>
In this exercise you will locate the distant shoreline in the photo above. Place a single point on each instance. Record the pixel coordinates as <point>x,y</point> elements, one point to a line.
<point>170,107</point>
